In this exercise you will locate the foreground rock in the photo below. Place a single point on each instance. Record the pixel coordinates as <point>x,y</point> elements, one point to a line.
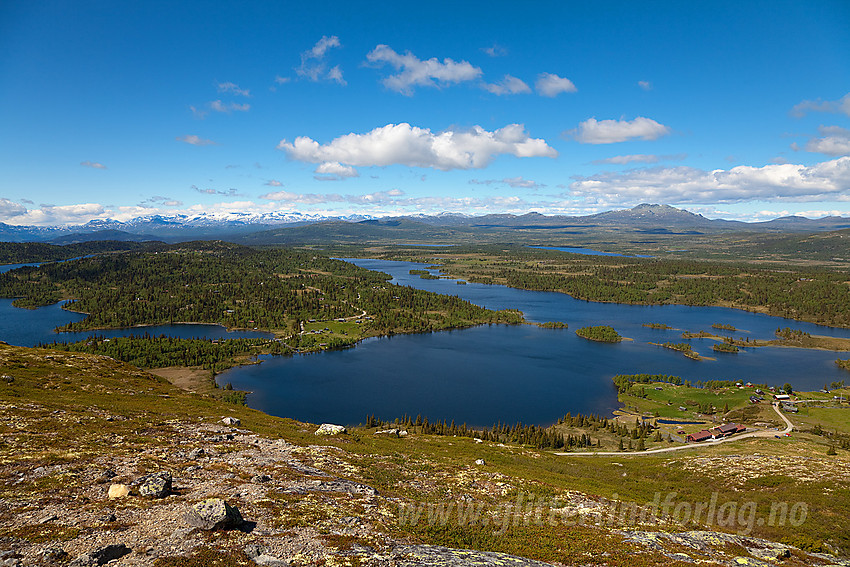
<point>330,429</point>
<point>423,555</point>
<point>102,556</point>
<point>118,491</point>
<point>156,485</point>
<point>214,514</point>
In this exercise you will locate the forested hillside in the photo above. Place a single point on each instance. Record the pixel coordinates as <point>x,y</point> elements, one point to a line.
<point>816,295</point>
<point>29,252</point>
<point>239,287</point>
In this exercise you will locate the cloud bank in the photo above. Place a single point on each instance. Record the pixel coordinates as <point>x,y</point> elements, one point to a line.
<point>840,106</point>
<point>824,181</point>
<point>403,144</point>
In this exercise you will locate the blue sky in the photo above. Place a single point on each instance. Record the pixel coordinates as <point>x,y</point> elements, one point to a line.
<point>121,109</point>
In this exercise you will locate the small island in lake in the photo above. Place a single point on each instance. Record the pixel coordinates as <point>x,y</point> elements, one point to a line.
<point>553,325</point>
<point>725,347</point>
<point>660,326</point>
<point>424,274</point>
<point>684,348</point>
<point>600,333</point>
<point>724,327</point>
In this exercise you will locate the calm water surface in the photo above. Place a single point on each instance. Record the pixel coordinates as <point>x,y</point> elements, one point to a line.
<point>487,373</point>
<point>518,373</point>
<point>587,251</point>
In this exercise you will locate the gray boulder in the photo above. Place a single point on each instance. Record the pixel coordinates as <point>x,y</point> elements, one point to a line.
<point>330,429</point>
<point>213,514</point>
<point>156,485</point>
<point>106,554</point>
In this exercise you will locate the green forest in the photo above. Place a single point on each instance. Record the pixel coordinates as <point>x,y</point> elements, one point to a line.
<point>238,287</point>
<point>161,351</point>
<point>600,333</point>
<point>30,252</point>
<point>816,295</point>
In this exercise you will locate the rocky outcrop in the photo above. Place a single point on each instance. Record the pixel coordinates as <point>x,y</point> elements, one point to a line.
<point>431,555</point>
<point>213,514</point>
<point>330,429</point>
<point>156,485</point>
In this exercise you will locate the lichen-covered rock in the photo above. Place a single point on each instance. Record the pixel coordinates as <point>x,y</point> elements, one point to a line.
<point>213,514</point>
<point>422,555</point>
<point>330,429</point>
<point>156,485</point>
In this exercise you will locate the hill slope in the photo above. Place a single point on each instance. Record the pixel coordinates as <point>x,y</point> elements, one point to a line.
<point>74,425</point>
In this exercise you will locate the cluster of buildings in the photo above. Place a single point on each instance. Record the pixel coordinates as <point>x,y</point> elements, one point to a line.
<point>716,432</point>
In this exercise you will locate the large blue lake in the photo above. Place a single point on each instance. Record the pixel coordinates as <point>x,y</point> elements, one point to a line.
<point>519,373</point>
<point>489,373</point>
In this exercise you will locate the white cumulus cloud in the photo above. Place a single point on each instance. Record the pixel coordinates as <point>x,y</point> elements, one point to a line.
<point>334,171</point>
<point>840,106</point>
<point>835,141</point>
<point>9,209</point>
<point>403,144</point>
<point>508,85</point>
<point>376,198</point>
<point>550,84</point>
<point>416,72</point>
<point>828,180</point>
<point>313,66</point>
<point>593,131</point>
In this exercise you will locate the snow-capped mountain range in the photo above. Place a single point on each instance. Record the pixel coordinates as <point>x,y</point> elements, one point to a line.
<point>181,227</point>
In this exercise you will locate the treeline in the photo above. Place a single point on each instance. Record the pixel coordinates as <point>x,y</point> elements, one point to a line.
<point>423,274</point>
<point>624,382</point>
<point>600,333</point>
<point>238,287</point>
<point>160,351</point>
<point>30,252</point>
<point>684,348</point>
<point>533,435</point>
<point>519,434</point>
<point>790,334</point>
<point>553,325</point>
<point>814,295</point>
